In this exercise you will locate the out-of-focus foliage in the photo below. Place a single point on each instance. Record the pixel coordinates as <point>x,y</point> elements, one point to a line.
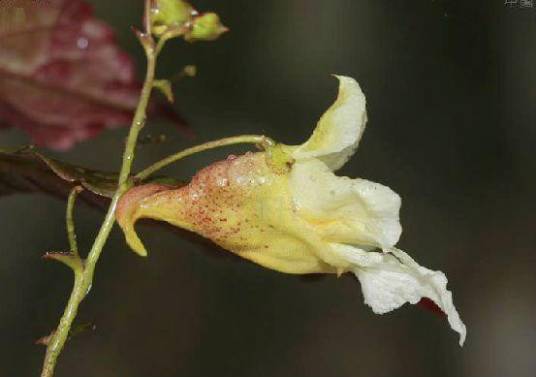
<point>62,77</point>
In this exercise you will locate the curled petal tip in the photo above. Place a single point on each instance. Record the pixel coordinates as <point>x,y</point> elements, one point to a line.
<point>339,130</point>
<point>348,79</point>
<point>127,213</point>
<point>135,243</point>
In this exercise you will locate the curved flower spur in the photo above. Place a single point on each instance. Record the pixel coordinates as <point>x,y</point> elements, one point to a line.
<point>285,209</point>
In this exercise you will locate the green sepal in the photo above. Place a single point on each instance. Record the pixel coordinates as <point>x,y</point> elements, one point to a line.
<point>164,86</point>
<point>67,258</point>
<point>206,27</point>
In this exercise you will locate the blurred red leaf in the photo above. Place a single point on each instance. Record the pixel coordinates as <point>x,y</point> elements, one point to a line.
<point>431,306</point>
<point>63,79</point>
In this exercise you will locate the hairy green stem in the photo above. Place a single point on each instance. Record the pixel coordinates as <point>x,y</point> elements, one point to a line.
<point>71,233</point>
<point>84,278</point>
<point>263,141</point>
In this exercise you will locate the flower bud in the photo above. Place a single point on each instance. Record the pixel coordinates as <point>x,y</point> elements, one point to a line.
<point>169,15</point>
<point>206,27</point>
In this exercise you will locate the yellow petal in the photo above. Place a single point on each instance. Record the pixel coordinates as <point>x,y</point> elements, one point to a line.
<point>338,132</point>
<point>353,211</point>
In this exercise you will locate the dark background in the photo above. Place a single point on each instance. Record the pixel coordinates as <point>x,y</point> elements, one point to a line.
<point>451,98</point>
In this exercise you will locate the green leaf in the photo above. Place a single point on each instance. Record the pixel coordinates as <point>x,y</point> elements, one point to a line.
<point>100,183</point>
<point>24,170</point>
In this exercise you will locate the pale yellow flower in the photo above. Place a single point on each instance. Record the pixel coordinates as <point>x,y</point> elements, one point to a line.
<point>286,210</point>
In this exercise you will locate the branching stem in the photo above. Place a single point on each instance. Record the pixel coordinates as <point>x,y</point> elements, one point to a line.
<point>84,277</point>
<point>84,269</point>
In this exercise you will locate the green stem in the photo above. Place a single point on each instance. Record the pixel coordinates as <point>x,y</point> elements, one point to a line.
<point>71,233</point>
<point>84,278</point>
<point>263,141</point>
<point>160,44</point>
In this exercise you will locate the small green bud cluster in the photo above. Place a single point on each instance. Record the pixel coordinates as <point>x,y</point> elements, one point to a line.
<point>173,18</point>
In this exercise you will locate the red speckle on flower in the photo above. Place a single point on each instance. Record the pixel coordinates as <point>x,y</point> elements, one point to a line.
<point>205,206</point>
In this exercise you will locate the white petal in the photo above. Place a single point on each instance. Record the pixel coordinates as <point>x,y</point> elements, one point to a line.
<point>338,132</point>
<point>344,210</point>
<point>389,280</point>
